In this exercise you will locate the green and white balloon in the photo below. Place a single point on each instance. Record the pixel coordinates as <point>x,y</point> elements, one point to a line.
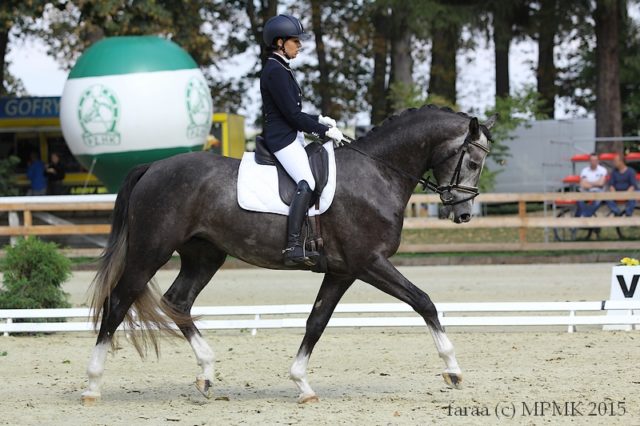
<point>133,100</point>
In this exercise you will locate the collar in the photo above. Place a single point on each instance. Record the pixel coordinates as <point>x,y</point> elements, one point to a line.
<point>284,61</point>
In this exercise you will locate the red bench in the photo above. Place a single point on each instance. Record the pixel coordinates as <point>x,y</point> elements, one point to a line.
<point>606,156</point>
<point>575,179</point>
<point>632,156</point>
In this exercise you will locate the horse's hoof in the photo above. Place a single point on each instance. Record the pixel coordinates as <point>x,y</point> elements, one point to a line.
<point>89,399</point>
<point>453,380</point>
<point>308,399</point>
<point>204,386</point>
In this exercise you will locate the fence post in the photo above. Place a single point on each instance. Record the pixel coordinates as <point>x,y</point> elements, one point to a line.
<point>28,222</point>
<point>14,221</point>
<point>9,321</point>
<point>254,331</point>
<point>572,327</point>
<point>522,214</point>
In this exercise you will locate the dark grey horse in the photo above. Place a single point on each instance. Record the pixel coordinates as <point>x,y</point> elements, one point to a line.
<point>188,204</point>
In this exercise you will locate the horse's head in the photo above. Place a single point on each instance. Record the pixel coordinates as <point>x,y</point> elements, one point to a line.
<point>457,169</point>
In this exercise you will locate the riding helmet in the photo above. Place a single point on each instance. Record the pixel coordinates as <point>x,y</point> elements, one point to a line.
<point>283,26</point>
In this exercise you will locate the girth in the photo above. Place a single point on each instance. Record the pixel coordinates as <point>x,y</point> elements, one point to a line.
<point>318,160</point>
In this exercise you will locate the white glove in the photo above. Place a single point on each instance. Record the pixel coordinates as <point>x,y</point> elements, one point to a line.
<point>327,121</point>
<point>335,134</point>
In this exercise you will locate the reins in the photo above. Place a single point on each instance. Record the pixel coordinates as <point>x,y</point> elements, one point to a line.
<point>446,196</point>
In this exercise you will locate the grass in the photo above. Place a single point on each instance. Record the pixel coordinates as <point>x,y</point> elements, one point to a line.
<point>474,235</point>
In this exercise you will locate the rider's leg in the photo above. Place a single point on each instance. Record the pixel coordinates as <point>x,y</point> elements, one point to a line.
<point>295,161</point>
<point>295,252</point>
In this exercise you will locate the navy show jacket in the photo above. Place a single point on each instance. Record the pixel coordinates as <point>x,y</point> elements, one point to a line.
<point>282,106</point>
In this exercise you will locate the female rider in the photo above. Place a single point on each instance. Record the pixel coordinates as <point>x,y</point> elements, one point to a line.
<point>284,123</point>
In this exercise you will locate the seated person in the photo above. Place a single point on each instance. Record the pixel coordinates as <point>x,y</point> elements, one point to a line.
<point>592,179</point>
<point>623,178</point>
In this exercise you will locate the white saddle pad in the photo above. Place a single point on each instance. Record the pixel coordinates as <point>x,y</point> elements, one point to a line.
<point>258,186</point>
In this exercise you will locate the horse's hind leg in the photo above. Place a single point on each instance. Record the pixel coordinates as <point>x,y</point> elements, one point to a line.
<point>137,273</point>
<point>384,276</point>
<point>199,262</point>
<point>332,289</point>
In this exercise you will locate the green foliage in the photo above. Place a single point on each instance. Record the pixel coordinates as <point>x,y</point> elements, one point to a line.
<point>34,272</point>
<point>512,112</point>
<point>403,96</point>
<point>75,25</point>
<point>8,185</point>
<point>17,17</point>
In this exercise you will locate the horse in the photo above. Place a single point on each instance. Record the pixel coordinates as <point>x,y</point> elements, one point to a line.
<point>187,204</point>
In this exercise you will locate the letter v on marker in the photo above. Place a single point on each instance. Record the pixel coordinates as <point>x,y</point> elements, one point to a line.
<point>628,292</point>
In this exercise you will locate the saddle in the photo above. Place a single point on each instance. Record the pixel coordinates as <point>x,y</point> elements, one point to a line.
<point>318,160</point>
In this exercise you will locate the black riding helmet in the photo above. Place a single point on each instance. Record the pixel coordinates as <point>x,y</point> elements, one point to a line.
<point>283,26</point>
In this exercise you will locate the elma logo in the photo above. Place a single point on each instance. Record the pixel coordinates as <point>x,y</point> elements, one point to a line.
<point>199,108</point>
<point>98,113</point>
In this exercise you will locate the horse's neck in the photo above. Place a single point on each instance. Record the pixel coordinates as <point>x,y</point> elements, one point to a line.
<point>403,149</point>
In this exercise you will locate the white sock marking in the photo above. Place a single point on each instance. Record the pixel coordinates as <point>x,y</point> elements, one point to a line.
<point>445,350</point>
<point>298,374</point>
<point>95,369</point>
<point>204,355</point>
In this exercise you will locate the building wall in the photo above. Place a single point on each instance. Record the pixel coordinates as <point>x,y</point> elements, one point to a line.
<point>540,154</point>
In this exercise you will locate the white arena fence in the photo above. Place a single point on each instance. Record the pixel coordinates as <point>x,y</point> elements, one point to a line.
<point>570,314</point>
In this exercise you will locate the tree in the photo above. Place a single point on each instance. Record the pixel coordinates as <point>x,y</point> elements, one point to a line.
<point>324,88</point>
<point>445,40</point>
<point>553,23</point>
<point>75,25</point>
<point>509,20</point>
<point>380,46</point>
<point>16,17</point>
<point>607,16</point>
<point>595,79</point>
<point>400,43</point>
<point>257,18</point>
<point>546,22</point>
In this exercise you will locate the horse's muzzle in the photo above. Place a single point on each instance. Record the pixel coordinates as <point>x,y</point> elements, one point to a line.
<point>463,218</point>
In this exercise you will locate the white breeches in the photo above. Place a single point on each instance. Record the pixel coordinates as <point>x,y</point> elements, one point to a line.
<point>294,159</point>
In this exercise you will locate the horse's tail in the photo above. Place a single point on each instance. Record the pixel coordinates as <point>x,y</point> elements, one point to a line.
<point>148,307</point>
<point>112,261</point>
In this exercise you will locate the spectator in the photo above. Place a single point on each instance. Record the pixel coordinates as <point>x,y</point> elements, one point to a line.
<point>623,178</point>
<point>55,175</point>
<point>35,173</point>
<point>592,179</point>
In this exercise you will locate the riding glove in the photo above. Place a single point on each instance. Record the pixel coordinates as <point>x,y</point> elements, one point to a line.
<point>335,134</point>
<point>327,121</point>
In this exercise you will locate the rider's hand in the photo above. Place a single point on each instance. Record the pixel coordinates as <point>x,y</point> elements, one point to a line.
<point>327,121</point>
<point>335,134</point>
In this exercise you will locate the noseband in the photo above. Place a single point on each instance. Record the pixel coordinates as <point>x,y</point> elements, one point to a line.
<point>445,191</point>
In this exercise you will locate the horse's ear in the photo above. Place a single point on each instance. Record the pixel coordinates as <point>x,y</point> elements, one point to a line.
<point>474,128</point>
<point>490,121</point>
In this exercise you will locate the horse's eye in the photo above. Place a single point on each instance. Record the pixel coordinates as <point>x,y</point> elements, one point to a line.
<point>473,165</point>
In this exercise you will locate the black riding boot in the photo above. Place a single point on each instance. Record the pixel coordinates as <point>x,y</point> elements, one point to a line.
<point>295,253</point>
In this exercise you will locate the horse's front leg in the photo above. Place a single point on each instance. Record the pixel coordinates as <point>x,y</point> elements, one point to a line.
<point>384,276</point>
<point>332,289</point>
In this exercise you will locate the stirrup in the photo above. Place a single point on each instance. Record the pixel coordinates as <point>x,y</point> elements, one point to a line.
<point>308,258</point>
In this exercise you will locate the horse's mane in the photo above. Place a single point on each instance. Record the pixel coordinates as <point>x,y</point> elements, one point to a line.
<point>411,111</point>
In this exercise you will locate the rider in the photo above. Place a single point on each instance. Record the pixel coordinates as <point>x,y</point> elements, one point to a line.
<point>284,123</point>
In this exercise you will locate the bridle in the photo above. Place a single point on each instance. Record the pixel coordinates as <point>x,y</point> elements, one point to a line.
<point>445,191</point>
